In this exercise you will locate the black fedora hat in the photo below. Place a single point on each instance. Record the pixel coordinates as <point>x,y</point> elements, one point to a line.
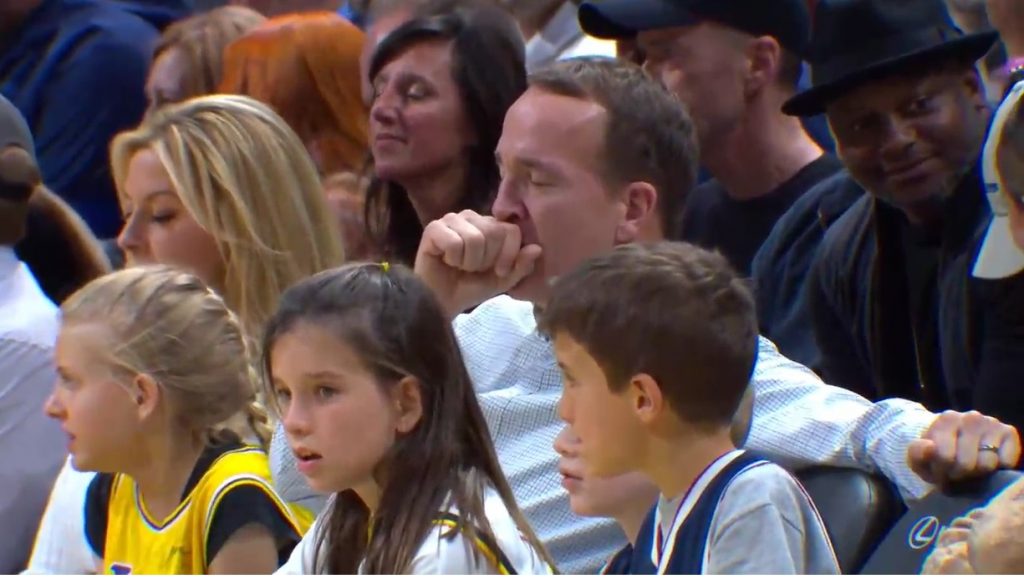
<point>854,41</point>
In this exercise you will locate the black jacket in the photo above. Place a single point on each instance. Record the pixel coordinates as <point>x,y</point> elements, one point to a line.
<point>782,265</point>
<point>860,307</point>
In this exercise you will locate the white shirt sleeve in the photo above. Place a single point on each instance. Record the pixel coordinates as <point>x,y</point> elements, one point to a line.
<point>61,546</point>
<point>32,446</point>
<point>799,421</point>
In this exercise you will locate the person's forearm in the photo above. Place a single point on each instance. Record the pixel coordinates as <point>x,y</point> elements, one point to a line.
<point>800,421</point>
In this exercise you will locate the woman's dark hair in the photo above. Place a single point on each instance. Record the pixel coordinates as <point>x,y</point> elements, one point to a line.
<point>58,247</point>
<point>489,68</point>
<point>398,329</point>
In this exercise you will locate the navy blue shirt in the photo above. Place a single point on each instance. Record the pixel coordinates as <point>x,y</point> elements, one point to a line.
<point>76,69</point>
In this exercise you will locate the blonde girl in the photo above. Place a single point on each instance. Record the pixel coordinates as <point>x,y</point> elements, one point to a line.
<point>218,186</point>
<point>151,364</point>
<point>379,409</point>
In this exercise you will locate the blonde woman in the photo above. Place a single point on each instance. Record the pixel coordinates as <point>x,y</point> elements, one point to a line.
<point>222,187</point>
<point>218,186</point>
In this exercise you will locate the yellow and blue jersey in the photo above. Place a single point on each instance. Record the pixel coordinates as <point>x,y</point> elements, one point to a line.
<point>230,488</point>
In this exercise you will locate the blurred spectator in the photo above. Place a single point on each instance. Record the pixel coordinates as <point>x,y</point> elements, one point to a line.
<point>207,5</point>
<point>76,69</point>
<point>58,247</point>
<point>306,67</point>
<point>971,17</point>
<point>188,59</point>
<point>553,32</point>
<point>1008,18</point>
<point>271,8</point>
<point>353,13</point>
<point>442,86</point>
<point>346,195</point>
<point>31,450</point>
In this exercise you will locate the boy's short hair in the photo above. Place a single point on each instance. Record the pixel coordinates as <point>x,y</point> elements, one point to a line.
<point>670,310</point>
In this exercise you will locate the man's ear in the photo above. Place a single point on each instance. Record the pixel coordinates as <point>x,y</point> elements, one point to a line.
<point>640,204</point>
<point>647,399</point>
<point>146,394</point>
<point>408,404</point>
<point>765,59</point>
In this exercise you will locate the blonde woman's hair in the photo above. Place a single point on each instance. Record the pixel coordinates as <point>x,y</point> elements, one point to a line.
<point>170,326</point>
<point>246,179</point>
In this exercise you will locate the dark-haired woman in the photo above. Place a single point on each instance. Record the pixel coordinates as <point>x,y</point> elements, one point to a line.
<point>441,87</point>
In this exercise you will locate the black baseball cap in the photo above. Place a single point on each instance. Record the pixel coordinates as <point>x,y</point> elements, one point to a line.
<point>787,21</point>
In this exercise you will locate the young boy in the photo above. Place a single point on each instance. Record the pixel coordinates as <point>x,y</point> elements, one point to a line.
<point>627,498</point>
<point>657,344</point>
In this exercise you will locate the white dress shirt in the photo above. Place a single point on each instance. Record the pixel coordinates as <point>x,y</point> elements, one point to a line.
<point>563,38</point>
<point>32,446</point>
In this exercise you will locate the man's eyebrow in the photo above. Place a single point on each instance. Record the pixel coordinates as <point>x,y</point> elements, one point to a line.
<point>536,163</point>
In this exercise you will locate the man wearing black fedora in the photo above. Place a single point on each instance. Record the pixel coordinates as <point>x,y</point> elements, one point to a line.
<point>895,308</point>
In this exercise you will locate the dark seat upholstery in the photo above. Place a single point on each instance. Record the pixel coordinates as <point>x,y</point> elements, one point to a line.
<point>858,510</point>
<point>912,538</point>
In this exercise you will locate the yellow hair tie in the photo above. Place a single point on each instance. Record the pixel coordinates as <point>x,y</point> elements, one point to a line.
<point>385,266</point>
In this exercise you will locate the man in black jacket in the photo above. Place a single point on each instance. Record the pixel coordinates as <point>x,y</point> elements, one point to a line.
<point>895,309</point>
